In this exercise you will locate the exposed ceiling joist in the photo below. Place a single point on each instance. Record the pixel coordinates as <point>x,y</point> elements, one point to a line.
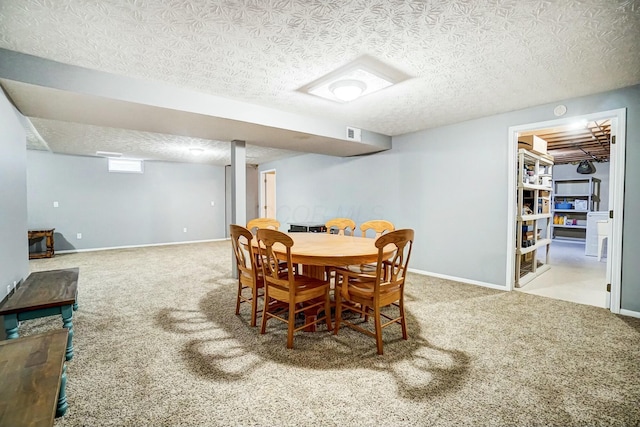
<point>574,143</point>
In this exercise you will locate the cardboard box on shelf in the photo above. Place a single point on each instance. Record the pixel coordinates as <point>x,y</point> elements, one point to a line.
<point>533,143</point>
<point>581,204</point>
<point>529,235</point>
<point>543,205</point>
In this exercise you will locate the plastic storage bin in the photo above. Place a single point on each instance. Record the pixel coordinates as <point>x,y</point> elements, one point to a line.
<point>564,205</point>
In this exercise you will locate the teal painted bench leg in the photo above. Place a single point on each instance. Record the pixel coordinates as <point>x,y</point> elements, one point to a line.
<point>11,326</point>
<point>67,322</point>
<point>62,394</point>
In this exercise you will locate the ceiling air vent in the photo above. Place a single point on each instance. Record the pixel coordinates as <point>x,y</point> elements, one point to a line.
<point>354,134</point>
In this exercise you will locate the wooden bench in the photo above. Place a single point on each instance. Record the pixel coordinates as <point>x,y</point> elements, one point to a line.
<point>33,377</point>
<point>42,294</point>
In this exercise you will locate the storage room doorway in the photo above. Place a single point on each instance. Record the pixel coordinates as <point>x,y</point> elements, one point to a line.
<point>558,234</point>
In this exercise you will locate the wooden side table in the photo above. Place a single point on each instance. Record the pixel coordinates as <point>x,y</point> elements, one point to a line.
<point>47,234</point>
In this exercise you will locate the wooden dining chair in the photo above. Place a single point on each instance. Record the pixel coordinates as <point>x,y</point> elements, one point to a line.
<point>249,275</point>
<point>341,224</point>
<point>258,223</point>
<point>364,293</point>
<point>271,223</point>
<point>298,293</point>
<point>378,226</point>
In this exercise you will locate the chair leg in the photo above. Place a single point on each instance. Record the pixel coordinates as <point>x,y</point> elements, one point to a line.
<point>254,306</point>
<point>291,323</point>
<point>238,298</point>
<point>378,325</point>
<point>338,298</point>
<point>403,320</point>
<point>263,324</point>
<point>327,309</point>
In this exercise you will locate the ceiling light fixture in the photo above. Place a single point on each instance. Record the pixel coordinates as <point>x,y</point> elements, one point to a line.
<point>359,78</point>
<point>579,124</point>
<point>347,90</point>
<point>196,151</point>
<point>108,154</point>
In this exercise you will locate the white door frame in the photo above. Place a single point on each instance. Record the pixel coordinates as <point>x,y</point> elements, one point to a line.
<point>263,177</point>
<point>616,188</point>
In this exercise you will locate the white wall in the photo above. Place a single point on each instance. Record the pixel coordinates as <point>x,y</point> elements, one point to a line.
<point>428,185</point>
<point>450,185</point>
<point>315,188</point>
<point>14,261</point>
<point>123,209</point>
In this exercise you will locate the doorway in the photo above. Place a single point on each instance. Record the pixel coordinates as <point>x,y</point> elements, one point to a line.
<point>268,194</point>
<point>573,276</point>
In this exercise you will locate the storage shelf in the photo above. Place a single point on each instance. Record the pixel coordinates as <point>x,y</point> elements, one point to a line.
<point>527,186</point>
<point>532,157</point>
<point>577,240</point>
<point>572,190</point>
<point>540,243</point>
<point>575,180</point>
<point>534,217</point>
<point>571,210</point>
<point>537,169</point>
<point>530,276</point>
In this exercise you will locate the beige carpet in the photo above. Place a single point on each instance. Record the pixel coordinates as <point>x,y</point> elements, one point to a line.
<point>157,344</point>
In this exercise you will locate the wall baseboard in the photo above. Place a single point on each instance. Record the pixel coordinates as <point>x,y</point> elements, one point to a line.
<point>629,313</point>
<point>458,279</point>
<point>623,312</point>
<point>73,251</point>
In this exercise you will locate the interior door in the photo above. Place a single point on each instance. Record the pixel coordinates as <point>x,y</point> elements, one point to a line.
<point>269,194</point>
<point>612,185</point>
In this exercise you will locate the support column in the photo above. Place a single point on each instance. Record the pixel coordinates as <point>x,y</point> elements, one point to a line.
<point>238,189</point>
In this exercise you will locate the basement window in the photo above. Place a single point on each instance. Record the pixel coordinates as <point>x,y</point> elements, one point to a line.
<point>126,165</point>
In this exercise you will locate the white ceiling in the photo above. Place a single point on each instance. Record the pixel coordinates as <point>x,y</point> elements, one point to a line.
<point>466,59</point>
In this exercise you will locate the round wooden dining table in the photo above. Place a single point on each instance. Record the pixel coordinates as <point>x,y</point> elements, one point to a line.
<point>317,251</point>
<point>324,249</point>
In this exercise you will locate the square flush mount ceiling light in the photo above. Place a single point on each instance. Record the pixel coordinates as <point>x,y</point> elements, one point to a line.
<point>361,77</point>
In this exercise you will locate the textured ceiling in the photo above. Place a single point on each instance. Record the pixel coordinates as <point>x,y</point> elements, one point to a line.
<point>467,58</point>
<point>82,139</point>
